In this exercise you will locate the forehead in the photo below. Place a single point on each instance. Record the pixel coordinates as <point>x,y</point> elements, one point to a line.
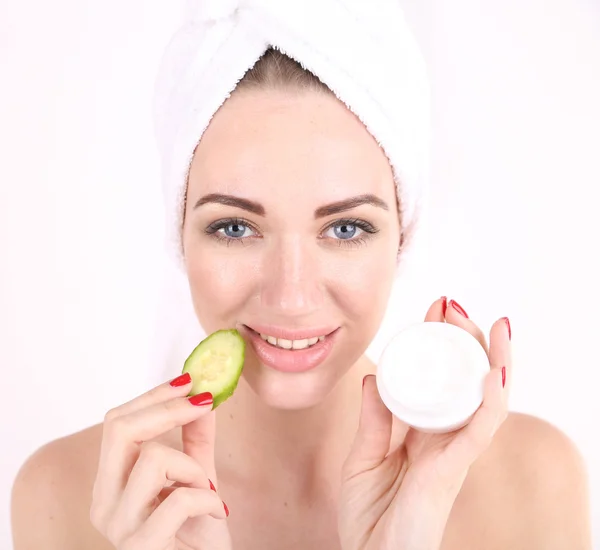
<point>274,140</point>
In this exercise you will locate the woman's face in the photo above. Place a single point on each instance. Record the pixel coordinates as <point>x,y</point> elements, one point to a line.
<point>291,231</point>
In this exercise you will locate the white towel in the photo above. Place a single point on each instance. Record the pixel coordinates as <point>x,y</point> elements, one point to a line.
<point>362,49</point>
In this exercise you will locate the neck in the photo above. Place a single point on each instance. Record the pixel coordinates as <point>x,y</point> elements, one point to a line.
<point>303,450</point>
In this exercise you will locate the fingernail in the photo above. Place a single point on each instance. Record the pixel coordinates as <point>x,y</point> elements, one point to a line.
<point>201,399</point>
<point>365,379</point>
<point>458,308</point>
<point>508,327</point>
<point>444,305</point>
<point>226,509</point>
<point>212,487</point>
<point>181,380</point>
<point>503,376</point>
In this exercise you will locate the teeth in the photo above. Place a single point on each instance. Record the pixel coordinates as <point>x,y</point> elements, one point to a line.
<point>300,344</point>
<point>292,344</point>
<point>285,344</point>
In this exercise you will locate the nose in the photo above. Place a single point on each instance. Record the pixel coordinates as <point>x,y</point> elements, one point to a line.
<point>291,282</point>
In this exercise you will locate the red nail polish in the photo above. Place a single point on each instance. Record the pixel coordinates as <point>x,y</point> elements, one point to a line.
<point>181,380</point>
<point>212,487</point>
<point>444,305</point>
<point>458,308</point>
<point>508,327</point>
<point>503,376</point>
<point>201,399</point>
<point>226,509</point>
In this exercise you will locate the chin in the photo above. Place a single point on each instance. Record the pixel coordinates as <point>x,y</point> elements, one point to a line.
<point>292,391</point>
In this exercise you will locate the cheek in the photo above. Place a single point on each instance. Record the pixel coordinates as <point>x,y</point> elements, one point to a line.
<point>219,284</point>
<point>361,283</point>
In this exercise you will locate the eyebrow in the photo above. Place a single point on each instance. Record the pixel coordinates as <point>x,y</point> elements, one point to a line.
<point>349,204</point>
<point>321,212</point>
<point>231,200</point>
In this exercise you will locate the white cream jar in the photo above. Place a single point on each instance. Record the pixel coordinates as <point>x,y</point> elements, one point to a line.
<point>431,376</point>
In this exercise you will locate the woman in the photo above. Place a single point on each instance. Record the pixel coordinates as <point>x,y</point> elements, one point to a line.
<point>290,217</point>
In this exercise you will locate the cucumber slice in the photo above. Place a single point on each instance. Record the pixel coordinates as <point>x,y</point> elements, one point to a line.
<point>216,364</point>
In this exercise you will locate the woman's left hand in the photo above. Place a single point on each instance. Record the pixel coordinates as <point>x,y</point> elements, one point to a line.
<point>400,497</point>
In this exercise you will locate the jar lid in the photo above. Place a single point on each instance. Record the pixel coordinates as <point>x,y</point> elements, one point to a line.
<point>432,374</point>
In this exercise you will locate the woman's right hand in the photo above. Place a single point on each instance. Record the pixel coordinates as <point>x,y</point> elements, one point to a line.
<point>134,505</point>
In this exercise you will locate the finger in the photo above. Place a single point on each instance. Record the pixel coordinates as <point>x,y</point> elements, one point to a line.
<point>198,439</point>
<point>157,419</point>
<point>477,435</point>
<point>437,310</point>
<point>183,503</point>
<point>156,466</point>
<point>501,353</point>
<point>162,392</point>
<point>456,315</point>
<point>120,444</point>
<point>372,440</point>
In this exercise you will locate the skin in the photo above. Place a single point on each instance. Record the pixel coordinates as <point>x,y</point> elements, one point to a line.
<point>281,442</point>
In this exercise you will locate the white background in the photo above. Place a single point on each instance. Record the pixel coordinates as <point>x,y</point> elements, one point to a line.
<point>84,323</point>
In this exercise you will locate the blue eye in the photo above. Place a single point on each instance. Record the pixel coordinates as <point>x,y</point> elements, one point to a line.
<point>344,231</point>
<point>235,230</point>
<point>231,230</point>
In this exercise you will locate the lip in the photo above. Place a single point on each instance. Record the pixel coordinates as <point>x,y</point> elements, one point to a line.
<point>284,360</point>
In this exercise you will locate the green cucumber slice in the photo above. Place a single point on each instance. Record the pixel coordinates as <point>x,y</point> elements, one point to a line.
<point>216,364</point>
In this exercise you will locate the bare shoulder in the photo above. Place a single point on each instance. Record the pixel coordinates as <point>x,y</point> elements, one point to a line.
<point>53,488</point>
<point>530,489</point>
<point>544,460</point>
